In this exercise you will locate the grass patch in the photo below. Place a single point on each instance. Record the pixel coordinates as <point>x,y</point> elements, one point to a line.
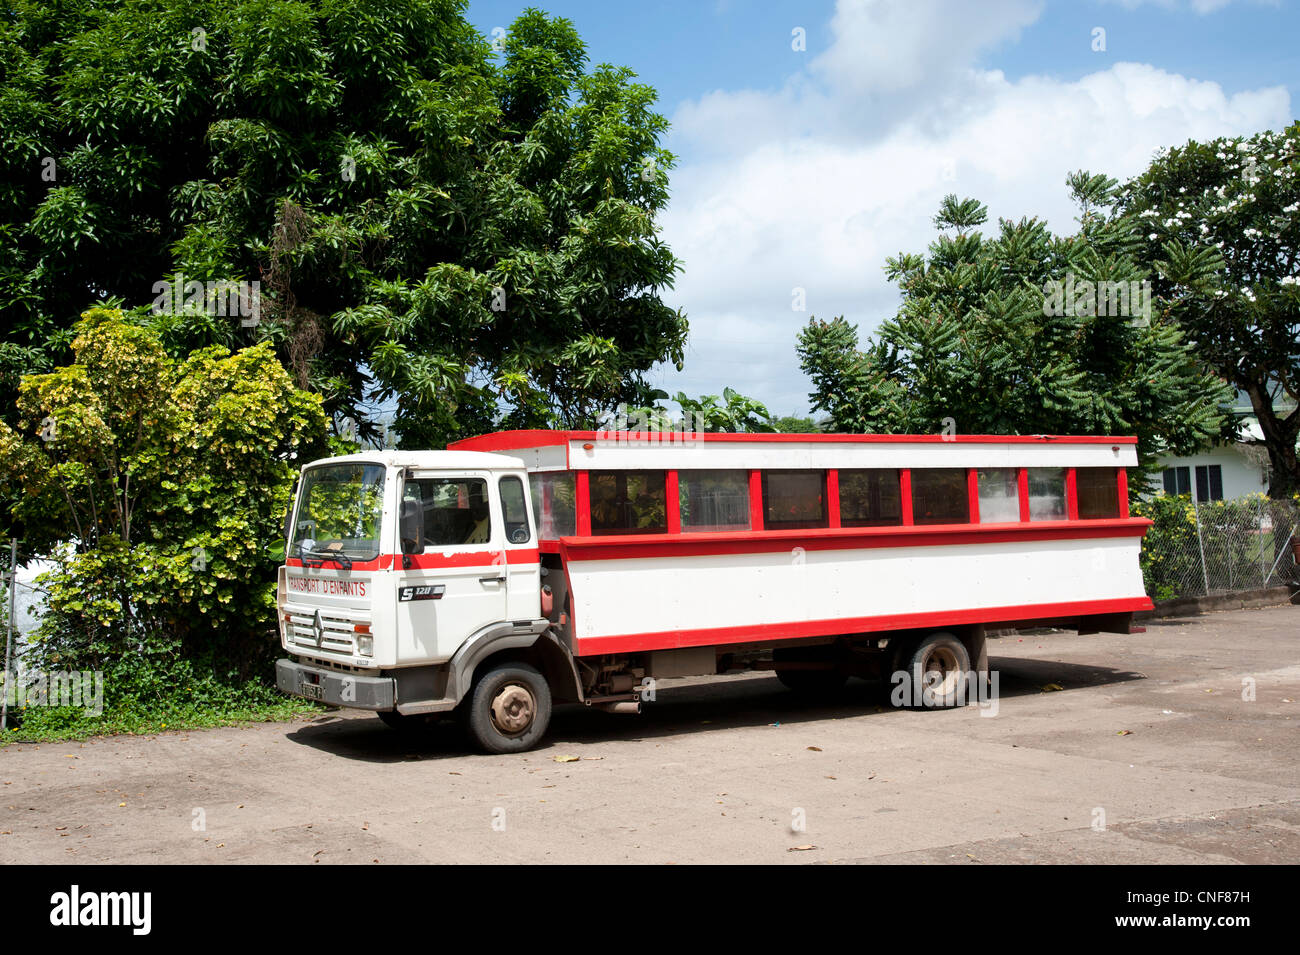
<point>51,724</point>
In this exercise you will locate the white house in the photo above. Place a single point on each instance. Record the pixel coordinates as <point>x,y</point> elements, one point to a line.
<point>1225,471</point>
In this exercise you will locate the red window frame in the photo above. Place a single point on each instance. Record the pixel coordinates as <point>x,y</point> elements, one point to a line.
<point>834,518</point>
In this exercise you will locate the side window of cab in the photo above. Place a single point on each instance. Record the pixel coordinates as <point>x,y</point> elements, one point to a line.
<point>444,512</point>
<point>514,510</point>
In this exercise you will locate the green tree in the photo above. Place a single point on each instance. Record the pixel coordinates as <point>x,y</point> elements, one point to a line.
<point>1219,223</point>
<point>793,424</point>
<point>158,487</point>
<point>472,235</point>
<point>986,341</point>
<point>732,412</point>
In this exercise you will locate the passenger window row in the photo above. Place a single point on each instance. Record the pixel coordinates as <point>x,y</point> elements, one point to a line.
<point>636,502</point>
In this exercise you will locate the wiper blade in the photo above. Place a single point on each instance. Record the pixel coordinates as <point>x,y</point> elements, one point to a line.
<point>320,556</point>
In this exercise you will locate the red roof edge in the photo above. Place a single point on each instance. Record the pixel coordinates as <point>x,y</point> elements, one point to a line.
<point>540,438</point>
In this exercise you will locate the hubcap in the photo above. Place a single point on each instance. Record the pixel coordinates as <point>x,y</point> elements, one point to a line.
<point>941,673</point>
<point>512,709</point>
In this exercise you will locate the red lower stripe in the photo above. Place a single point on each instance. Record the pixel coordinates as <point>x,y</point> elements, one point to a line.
<point>676,639</point>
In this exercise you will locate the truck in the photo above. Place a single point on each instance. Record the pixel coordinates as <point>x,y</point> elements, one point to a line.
<point>520,570</point>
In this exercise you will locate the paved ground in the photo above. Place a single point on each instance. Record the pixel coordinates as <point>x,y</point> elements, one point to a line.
<point>1149,738</point>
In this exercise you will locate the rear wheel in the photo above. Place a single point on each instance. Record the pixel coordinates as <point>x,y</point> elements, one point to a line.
<point>509,709</point>
<point>937,670</point>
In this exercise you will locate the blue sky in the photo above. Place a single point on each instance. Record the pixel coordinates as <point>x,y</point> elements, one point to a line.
<point>804,169</point>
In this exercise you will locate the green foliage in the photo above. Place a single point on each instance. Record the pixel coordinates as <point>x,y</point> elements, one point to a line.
<point>157,688</point>
<point>731,412</point>
<point>1242,540</point>
<point>158,487</point>
<point>983,344</point>
<point>1170,553</point>
<point>1220,224</point>
<point>792,424</point>
<point>734,412</point>
<point>473,236</point>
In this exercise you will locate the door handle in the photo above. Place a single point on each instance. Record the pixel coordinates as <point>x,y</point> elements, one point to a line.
<point>491,580</point>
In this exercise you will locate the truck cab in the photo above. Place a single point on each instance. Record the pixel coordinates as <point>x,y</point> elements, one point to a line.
<point>406,570</point>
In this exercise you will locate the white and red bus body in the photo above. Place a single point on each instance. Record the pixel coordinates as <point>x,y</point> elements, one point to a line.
<point>652,555</point>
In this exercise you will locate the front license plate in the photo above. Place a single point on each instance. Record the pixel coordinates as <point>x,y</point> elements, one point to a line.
<point>312,690</point>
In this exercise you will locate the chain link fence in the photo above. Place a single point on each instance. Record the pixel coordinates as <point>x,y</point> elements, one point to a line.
<point>1194,549</point>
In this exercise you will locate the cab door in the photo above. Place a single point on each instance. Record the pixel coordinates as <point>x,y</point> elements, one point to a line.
<point>523,559</point>
<point>450,564</point>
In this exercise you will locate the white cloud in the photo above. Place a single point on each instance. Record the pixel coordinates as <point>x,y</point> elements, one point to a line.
<point>815,184</point>
<point>1201,7</point>
<point>885,47</point>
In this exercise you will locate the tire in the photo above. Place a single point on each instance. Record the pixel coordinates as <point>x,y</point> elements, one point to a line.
<point>937,670</point>
<point>509,709</point>
<point>408,723</point>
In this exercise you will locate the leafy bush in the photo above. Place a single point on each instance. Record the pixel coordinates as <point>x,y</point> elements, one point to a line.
<point>1241,545</point>
<point>1170,555</point>
<point>159,487</point>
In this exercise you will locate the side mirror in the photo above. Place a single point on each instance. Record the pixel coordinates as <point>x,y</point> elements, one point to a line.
<point>411,527</point>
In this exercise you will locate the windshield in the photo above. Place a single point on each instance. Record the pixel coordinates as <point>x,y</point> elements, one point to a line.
<point>340,509</point>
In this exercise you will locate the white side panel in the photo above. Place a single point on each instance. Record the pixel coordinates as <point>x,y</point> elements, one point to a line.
<point>652,595</point>
<point>551,458</point>
<point>726,455</point>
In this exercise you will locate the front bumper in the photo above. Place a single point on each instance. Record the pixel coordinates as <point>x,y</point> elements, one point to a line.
<point>335,688</point>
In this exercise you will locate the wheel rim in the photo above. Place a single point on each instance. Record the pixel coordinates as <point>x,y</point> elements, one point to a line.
<point>513,709</point>
<point>941,672</point>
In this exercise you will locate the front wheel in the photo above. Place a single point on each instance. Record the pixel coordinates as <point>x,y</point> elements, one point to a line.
<point>509,709</point>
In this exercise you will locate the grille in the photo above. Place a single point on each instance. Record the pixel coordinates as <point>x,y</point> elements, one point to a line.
<point>336,631</point>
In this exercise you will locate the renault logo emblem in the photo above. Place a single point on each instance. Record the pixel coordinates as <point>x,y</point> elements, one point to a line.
<point>318,628</point>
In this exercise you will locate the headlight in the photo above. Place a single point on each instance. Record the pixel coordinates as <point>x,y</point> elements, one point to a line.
<point>366,644</point>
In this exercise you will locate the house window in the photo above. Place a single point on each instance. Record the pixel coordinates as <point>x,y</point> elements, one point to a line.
<point>714,500</point>
<point>794,499</point>
<point>1209,482</point>
<point>939,496</point>
<point>1098,491</point>
<point>1047,494</point>
<point>1178,480</point>
<point>628,502</point>
<point>870,498</point>
<point>999,495</point>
